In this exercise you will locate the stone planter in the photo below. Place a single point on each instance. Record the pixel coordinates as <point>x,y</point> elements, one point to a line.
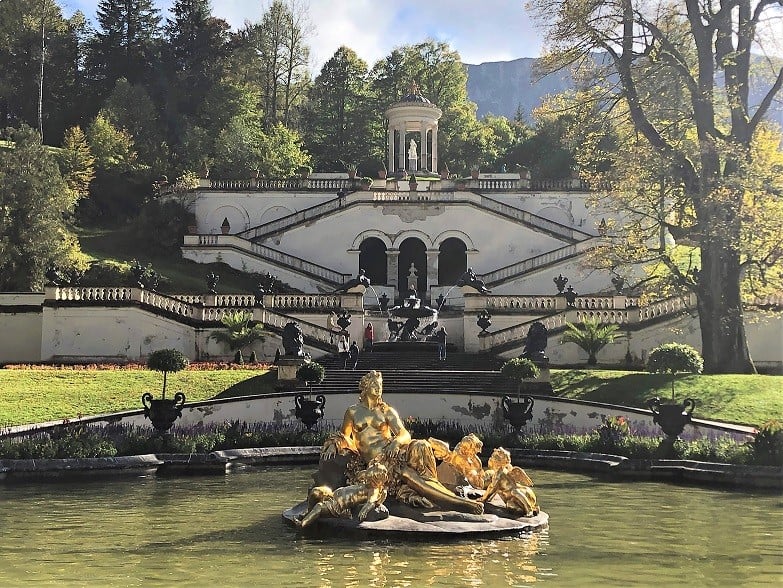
<point>163,412</point>
<point>671,417</point>
<point>517,412</point>
<point>309,411</point>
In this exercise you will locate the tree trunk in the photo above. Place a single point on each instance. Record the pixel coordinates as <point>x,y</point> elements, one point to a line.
<point>724,342</point>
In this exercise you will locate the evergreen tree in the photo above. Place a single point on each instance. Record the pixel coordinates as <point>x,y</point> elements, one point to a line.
<point>34,199</point>
<point>126,44</point>
<point>339,112</point>
<point>196,47</point>
<point>26,30</point>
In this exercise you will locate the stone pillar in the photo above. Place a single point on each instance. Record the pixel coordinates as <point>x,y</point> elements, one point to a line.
<point>390,150</point>
<point>432,267</point>
<point>392,265</point>
<point>403,152</point>
<point>435,149</point>
<point>425,164</point>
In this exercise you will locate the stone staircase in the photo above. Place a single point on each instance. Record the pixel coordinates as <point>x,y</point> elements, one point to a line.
<point>417,371</point>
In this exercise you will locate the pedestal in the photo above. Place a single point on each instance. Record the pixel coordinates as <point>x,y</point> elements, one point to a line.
<point>287,366</point>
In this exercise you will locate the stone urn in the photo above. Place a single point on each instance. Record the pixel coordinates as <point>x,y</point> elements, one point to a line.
<point>309,411</point>
<point>671,417</point>
<point>164,411</point>
<point>518,412</point>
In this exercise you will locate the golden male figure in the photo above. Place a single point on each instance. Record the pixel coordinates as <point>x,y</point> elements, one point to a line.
<point>323,502</point>
<point>374,430</point>
<point>511,483</point>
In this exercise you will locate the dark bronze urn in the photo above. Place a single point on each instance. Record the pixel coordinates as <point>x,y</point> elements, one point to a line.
<point>518,412</point>
<point>163,412</point>
<point>309,411</point>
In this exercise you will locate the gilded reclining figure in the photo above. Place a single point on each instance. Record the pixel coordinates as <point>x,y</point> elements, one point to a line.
<point>373,433</point>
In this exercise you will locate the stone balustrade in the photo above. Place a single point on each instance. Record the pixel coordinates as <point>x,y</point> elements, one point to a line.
<point>305,302</point>
<point>618,310</point>
<point>518,332</point>
<point>532,303</point>
<point>311,330</point>
<point>92,294</point>
<point>267,253</point>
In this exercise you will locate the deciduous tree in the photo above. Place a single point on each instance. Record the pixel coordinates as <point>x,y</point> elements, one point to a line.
<point>703,47</point>
<point>34,202</point>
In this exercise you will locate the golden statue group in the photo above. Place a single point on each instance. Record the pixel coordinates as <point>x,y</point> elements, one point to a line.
<point>373,457</point>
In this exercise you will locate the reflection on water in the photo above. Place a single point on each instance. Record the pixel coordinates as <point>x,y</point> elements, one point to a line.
<point>228,531</point>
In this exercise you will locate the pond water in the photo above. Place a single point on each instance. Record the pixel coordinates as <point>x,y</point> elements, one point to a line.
<point>227,531</point>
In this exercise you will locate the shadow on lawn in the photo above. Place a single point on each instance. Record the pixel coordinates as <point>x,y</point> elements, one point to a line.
<point>263,384</point>
<point>633,389</point>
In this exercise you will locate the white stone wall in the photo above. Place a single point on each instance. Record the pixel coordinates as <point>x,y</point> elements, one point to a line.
<point>478,412</point>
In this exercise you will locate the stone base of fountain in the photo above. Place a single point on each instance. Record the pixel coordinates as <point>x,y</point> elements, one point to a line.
<point>422,523</point>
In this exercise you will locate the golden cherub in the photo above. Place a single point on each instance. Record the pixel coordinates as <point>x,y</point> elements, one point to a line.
<point>322,501</point>
<point>464,458</point>
<point>511,483</point>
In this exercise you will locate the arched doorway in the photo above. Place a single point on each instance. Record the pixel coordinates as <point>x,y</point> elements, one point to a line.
<point>452,261</point>
<point>412,251</point>
<point>372,259</point>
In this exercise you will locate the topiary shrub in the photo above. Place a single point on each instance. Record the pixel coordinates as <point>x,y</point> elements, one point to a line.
<point>167,360</point>
<point>520,369</point>
<point>239,359</point>
<point>253,357</point>
<point>311,373</point>
<point>674,357</point>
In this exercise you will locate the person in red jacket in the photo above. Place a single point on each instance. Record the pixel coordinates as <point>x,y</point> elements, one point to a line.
<point>368,337</point>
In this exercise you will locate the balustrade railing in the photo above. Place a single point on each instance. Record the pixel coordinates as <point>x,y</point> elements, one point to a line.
<point>619,310</point>
<point>311,330</point>
<point>314,302</point>
<point>519,268</point>
<point>289,220</point>
<point>284,259</point>
<point>534,303</point>
<point>532,219</point>
<point>93,293</point>
<point>497,184</point>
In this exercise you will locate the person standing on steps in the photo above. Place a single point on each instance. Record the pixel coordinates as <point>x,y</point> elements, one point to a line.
<point>343,349</point>
<point>353,355</point>
<point>369,335</point>
<point>440,337</point>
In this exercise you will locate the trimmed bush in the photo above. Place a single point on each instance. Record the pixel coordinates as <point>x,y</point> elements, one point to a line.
<point>167,360</point>
<point>674,357</point>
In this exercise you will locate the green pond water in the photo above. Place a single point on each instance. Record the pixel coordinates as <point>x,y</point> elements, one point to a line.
<point>227,531</point>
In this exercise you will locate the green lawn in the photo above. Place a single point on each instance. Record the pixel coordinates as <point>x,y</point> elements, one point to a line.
<point>38,395</point>
<point>737,398</point>
<point>181,276</point>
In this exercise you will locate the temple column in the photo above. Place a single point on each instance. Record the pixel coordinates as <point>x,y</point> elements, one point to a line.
<point>390,150</point>
<point>435,149</point>
<point>425,164</point>
<point>403,152</point>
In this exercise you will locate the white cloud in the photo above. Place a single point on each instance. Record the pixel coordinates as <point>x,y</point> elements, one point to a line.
<point>489,30</point>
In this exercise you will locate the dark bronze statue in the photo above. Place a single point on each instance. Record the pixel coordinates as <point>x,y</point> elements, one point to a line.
<point>469,278</point>
<point>293,339</point>
<point>536,342</point>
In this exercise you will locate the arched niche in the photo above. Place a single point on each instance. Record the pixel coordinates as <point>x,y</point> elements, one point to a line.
<point>452,261</point>
<point>412,251</point>
<point>372,259</point>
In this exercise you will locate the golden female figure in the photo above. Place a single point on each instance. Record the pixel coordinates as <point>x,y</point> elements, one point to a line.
<point>374,431</point>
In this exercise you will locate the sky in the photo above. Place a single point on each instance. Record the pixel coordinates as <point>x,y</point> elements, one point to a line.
<point>480,30</point>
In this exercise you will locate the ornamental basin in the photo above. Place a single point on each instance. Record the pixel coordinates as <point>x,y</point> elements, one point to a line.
<point>227,531</point>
